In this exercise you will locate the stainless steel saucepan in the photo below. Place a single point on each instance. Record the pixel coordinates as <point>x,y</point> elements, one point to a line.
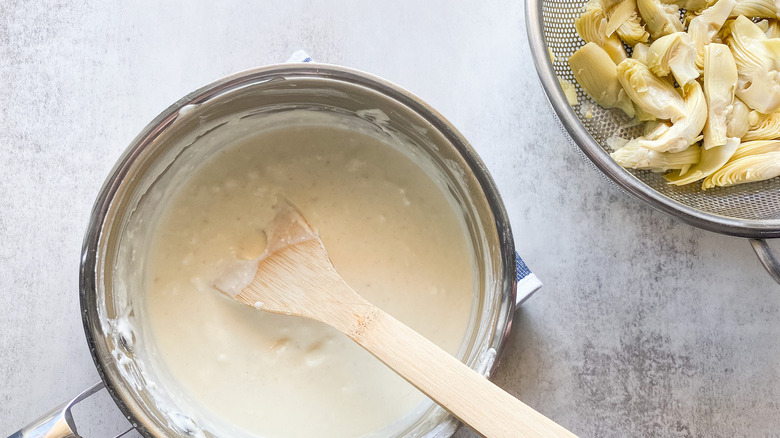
<point>182,132</point>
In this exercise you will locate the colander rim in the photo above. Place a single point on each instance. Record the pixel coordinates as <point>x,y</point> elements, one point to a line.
<point>763,228</point>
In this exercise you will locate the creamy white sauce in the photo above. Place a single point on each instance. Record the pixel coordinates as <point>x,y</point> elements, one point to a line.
<point>392,235</point>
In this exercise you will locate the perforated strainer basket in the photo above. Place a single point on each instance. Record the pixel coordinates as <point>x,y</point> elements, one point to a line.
<point>747,210</point>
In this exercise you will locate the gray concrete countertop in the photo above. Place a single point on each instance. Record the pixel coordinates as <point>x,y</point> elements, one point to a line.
<point>645,326</point>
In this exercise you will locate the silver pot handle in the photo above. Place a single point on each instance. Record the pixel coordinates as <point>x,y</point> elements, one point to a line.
<point>57,423</point>
<point>770,262</point>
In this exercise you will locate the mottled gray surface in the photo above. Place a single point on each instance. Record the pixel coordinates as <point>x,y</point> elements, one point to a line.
<point>645,326</point>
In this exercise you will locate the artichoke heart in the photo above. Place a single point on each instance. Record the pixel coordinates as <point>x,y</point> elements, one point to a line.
<point>591,26</point>
<point>755,9</point>
<point>711,160</point>
<point>767,129</point>
<point>636,157</point>
<point>759,79</point>
<point>747,169</point>
<point>662,19</point>
<point>760,90</point>
<point>720,82</point>
<point>739,123</point>
<point>746,41</point>
<point>596,73</point>
<point>653,95</point>
<point>704,28</point>
<point>674,53</point>
<point>624,19</point>
<point>685,130</point>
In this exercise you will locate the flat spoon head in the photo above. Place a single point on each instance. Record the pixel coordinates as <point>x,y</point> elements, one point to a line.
<point>293,276</point>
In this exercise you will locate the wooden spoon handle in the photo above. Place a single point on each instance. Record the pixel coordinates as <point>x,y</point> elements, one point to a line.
<point>471,397</point>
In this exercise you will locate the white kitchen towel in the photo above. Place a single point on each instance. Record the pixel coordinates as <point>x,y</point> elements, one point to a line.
<point>527,283</point>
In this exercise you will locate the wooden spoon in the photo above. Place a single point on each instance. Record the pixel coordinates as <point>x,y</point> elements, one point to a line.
<point>296,277</point>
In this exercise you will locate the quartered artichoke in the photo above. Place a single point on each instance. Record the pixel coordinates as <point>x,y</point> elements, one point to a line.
<point>661,19</point>
<point>597,75</point>
<point>650,93</point>
<point>674,53</point>
<point>685,130</point>
<point>744,170</point>
<point>704,28</point>
<point>624,19</point>
<point>752,161</point>
<point>759,78</point>
<point>591,26</point>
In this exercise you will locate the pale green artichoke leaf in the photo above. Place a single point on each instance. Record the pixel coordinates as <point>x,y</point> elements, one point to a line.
<point>755,9</point>
<point>711,160</point>
<point>767,129</point>
<point>632,156</point>
<point>720,83</point>
<point>654,129</point>
<point>757,147</point>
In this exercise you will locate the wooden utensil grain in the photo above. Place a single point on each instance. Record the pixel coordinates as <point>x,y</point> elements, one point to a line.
<point>296,277</point>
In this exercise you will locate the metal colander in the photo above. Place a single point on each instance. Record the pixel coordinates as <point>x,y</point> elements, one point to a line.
<point>747,210</point>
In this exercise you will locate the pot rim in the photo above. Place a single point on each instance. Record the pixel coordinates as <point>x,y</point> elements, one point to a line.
<point>89,280</point>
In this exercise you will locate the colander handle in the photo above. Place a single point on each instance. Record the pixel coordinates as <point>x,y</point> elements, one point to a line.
<point>768,259</point>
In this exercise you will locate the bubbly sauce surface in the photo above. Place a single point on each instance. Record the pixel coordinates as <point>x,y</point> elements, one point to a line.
<point>391,234</point>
